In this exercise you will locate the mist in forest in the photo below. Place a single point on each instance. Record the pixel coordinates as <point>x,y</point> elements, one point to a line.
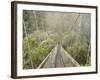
<point>42,30</point>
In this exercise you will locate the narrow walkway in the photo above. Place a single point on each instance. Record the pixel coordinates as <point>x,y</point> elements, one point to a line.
<point>58,57</point>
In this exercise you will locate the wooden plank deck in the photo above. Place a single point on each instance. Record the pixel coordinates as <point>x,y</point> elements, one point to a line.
<point>58,57</point>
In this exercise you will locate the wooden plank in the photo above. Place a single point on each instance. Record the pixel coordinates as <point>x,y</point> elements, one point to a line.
<point>68,59</point>
<point>58,57</point>
<point>49,61</point>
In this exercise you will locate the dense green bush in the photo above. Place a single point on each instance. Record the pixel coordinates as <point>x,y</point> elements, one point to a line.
<point>40,52</point>
<point>79,52</point>
<point>37,50</point>
<point>42,30</point>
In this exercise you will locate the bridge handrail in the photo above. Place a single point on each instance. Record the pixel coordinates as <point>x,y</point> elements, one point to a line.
<point>72,59</point>
<point>44,61</point>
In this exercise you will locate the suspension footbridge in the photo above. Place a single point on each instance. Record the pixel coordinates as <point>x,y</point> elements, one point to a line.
<point>58,57</point>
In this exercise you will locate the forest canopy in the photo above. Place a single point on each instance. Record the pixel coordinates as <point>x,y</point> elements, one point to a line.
<point>42,30</point>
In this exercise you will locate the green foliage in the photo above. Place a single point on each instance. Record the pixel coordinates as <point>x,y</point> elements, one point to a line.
<point>38,50</point>
<point>42,30</point>
<point>82,55</point>
<point>79,52</point>
<point>28,43</point>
